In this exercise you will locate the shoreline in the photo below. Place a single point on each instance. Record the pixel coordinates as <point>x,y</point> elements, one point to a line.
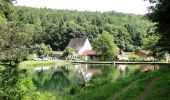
<point>116,62</point>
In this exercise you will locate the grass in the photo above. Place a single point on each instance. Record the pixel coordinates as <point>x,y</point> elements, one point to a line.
<point>104,91</point>
<point>32,64</point>
<point>156,86</point>
<point>153,85</point>
<point>139,88</point>
<point>162,87</point>
<point>2,66</point>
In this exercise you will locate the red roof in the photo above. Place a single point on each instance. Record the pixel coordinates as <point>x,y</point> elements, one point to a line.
<point>89,52</point>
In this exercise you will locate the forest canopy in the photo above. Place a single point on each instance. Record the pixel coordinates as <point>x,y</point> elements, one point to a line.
<point>160,14</point>
<point>22,28</point>
<point>57,27</point>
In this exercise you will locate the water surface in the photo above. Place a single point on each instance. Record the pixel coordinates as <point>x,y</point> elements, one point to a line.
<point>57,78</point>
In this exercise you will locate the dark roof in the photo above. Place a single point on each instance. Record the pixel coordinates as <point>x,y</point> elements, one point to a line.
<point>76,43</point>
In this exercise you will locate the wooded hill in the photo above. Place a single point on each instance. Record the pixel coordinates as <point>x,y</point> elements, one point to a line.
<point>57,27</point>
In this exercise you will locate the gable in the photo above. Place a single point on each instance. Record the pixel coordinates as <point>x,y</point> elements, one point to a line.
<point>77,43</point>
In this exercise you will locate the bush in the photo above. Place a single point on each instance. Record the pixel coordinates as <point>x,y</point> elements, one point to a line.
<point>30,57</point>
<point>42,50</point>
<point>133,57</point>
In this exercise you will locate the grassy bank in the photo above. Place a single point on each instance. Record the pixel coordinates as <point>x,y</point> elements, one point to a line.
<point>154,87</point>
<point>148,85</point>
<point>104,91</point>
<point>32,64</point>
<point>2,66</point>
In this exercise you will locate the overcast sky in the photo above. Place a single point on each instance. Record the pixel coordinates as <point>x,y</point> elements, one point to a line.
<point>126,6</point>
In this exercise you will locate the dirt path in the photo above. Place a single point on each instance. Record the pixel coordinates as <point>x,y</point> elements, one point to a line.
<point>147,89</point>
<point>124,90</point>
<point>142,95</point>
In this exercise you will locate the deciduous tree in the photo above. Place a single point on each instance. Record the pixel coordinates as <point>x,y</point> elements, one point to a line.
<point>104,44</point>
<point>160,14</point>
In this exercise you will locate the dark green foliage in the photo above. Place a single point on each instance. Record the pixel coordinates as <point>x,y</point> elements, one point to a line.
<point>42,50</point>
<point>67,52</point>
<point>104,44</point>
<point>133,57</point>
<point>15,84</point>
<point>161,16</point>
<point>57,27</point>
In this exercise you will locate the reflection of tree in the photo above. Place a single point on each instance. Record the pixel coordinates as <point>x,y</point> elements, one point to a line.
<point>15,84</point>
<point>105,76</point>
<point>49,80</point>
<point>77,78</point>
<point>41,77</point>
<point>114,74</point>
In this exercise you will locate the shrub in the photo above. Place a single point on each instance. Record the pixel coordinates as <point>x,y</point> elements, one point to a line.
<point>30,57</point>
<point>133,57</point>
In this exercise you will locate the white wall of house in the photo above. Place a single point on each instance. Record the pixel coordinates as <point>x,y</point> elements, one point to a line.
<point>87,46</point>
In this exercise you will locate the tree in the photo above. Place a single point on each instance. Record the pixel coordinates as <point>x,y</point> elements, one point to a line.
<point>16,84</point>
<point>160,14</point>
<point>67,52</point>
<point>52,27</point>
<point>150,42</point>
<point>104,44</point>
<point>42,50</point>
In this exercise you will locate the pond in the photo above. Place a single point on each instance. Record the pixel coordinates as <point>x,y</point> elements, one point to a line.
<point>58,78</point>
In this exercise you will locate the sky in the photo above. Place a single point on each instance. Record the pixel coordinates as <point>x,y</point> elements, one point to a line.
<point>126,6</point>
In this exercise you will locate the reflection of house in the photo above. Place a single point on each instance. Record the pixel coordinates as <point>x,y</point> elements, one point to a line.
<point>122,67</point>
<point>146,68</point>
<point>83,73</point>
<point>145,55</point>
<point>88,72</point>
<point>82,47</point>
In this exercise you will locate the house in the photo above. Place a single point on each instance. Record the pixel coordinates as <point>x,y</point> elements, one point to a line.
<point>145,54</point>
<point>122,56</point>
<point>82,48</point>
<point>92,54</point>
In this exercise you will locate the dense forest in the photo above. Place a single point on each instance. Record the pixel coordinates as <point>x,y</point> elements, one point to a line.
<point>22,29</point>
<point>57,27</point>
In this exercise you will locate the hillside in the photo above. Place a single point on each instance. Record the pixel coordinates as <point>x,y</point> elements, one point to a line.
<point>57,27</point>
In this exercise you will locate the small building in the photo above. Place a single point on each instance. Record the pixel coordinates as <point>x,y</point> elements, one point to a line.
<point>122,56</point>
<point>82,47</point>
<point>145,54</point>
<point>92,54</point>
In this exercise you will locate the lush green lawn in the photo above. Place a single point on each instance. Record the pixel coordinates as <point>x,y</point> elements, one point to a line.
<point>32,64</point>
<point>1,66</point>
<point>155,86</point>
<point>104,91</point>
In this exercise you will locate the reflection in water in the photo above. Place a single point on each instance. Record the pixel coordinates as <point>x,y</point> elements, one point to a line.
<point>146,68</point>
<point>15,84</point>
<point>87,72</point>
<point>52,79</point>
<point>122,69</point>
<point>57,78</point>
